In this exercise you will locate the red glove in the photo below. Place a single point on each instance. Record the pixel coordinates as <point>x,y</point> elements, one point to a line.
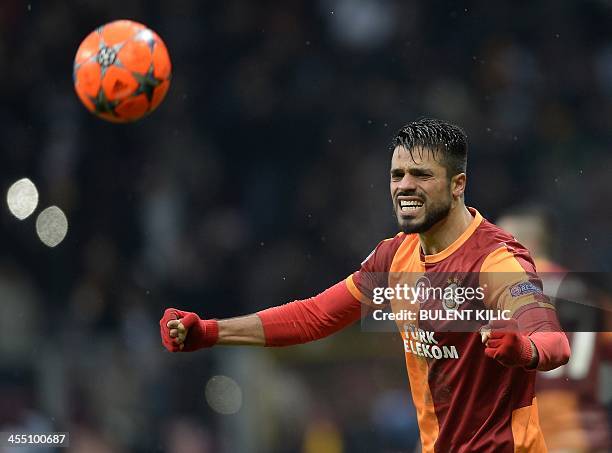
<point>202,333</point>
<point>507,345</point>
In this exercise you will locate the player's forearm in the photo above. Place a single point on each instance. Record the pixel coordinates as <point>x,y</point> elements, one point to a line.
<point>552,348</point>
<point>244,330</point>
<point>293,323</point>
<point>297,322</point>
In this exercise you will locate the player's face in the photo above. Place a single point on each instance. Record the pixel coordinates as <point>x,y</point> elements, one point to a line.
<point>420,190</point>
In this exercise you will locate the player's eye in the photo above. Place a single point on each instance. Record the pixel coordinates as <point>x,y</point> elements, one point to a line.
<point>397,175</point>
<point>421,174</point>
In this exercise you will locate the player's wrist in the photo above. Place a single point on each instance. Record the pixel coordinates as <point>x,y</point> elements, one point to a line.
<point>203,333</point>
<point>211,332</point>
<point>529,353</point>
<point>527,357</point>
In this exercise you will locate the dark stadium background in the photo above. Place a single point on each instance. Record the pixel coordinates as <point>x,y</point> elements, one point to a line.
<point>263,177</point>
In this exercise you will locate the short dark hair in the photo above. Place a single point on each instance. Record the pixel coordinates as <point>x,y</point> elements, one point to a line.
<point>438,136</point>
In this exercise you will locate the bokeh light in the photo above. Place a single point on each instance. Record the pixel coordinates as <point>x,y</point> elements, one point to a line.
<point>223,395</point>
<point>52,226</point>
<point>22,198</point>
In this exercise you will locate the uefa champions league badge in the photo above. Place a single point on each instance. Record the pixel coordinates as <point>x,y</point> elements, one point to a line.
<point>523,289</point>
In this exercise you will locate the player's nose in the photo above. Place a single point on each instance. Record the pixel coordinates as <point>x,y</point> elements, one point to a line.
<point>407,183</point>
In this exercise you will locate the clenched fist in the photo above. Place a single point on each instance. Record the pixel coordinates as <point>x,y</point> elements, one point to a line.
<point>506,344</point>
<point>185,331</point>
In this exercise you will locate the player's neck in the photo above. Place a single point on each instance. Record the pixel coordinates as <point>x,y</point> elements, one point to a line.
<point>445,232</point>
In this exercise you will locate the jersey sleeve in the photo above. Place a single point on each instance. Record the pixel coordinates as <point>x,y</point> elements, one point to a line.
<point>374,270</point>
<point>510,282</point>
<point>307,320</point>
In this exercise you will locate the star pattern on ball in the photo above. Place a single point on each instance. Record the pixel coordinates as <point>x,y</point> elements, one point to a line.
<point>121,71</point>
<point>103,105</point>
<point>147,83</point>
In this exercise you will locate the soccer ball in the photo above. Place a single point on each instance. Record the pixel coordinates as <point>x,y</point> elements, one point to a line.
<point>122,71</point>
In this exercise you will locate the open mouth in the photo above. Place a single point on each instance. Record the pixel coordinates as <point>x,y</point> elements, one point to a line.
<point>409,205</point>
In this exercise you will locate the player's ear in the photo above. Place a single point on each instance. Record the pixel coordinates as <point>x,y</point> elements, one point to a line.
<point>457,184</point>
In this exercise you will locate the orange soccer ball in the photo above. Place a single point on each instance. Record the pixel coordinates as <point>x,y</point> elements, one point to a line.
<point>122,71</point>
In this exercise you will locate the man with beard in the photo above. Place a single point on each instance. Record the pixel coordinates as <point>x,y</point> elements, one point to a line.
<point>472,391</point>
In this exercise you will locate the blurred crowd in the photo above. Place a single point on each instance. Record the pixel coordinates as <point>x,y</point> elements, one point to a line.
<point>262,178</point>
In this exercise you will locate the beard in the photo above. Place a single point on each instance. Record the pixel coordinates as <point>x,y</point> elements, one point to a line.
<point>434,212</point>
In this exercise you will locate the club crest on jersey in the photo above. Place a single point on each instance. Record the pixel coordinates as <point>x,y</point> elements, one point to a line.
<point>524,288</point>
<point>450,301</point>
<point>448,298</point>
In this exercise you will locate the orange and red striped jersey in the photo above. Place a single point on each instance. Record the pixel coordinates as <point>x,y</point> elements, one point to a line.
<point>465,401</point>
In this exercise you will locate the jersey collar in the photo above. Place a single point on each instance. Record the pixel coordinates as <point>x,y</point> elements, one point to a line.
<point>437,257</point>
